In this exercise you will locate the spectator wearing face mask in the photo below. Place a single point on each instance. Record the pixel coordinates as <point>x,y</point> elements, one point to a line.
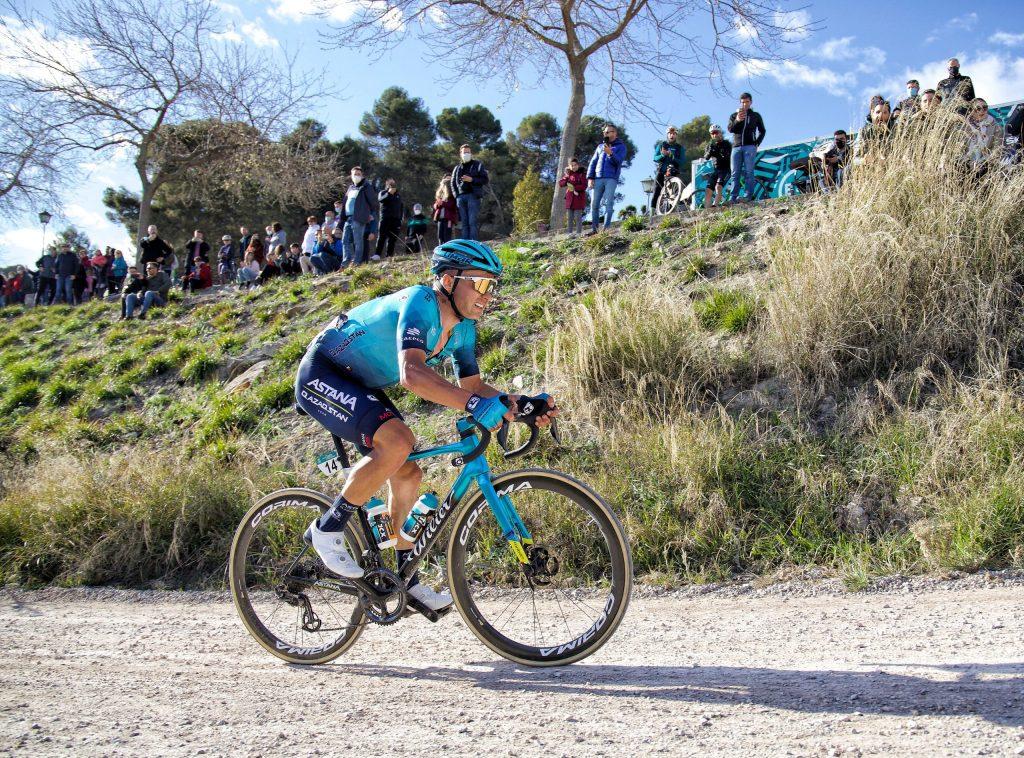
<point>909,105</point>
<point>747,129</point>
<point>417,229</point>
<point>957,90</point>
<point>468,181</point>
<point>984,137</point>
<point>329,251</point>
<point>361,208</point>
<point>832,159</point>
<point>330,220</point>
<point>392,210</point>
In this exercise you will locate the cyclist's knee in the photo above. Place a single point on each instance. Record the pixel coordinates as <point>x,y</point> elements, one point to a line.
<point>410,472</point>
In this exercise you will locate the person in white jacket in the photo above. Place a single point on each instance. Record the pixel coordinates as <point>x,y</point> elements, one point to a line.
<point>308,244</point>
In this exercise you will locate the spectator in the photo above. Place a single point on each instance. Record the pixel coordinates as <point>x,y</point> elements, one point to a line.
<point>275,236</point>
<point>835,159</point>
<point>984,137</point>
<point>271,269</point>
<point>361,209</point>
<point>226,260</point>
<point>292,265</point>
<point>12,289</point>
<point>309,236</point>
<point>244,238</point>
<point>28,285</point>
<point>249,270</point>
<point>1012,152</point>
<point>199,277</point>
<point>118,271</point>
<point>575,183</point>
<point>132,289</point>
<point>909,105</point>
<point>330,220</point>
<point>468,181</point>
<point>747,128</point>
<point>668,157</point>
<point>339,213</point>
<point>100,265</point>
<point>67,266</point>
<point>255,247</point>
<point>153,248</point>
<point>197,247</point>
<point>446,210</point>
<point>603,175</point>
<point>875,100</point>
<point>47,265</point>
<point>158,287</point>
<point>957,91</point>
<point>930,102</point>
<point>83,274</point>
<point>392,211</point>
<point>417,230</point>
<point>720,151</point>
<point>874,138</point>
<point>329,252</point>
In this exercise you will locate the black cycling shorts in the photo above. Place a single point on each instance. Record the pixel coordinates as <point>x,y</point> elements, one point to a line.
<point>720,177</point>
<point>341,404</point>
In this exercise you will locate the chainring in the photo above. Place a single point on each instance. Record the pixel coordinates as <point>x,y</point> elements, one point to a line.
<point>386,582</point>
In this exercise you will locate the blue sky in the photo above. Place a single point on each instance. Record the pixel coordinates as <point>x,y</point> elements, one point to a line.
<point>860,48</point>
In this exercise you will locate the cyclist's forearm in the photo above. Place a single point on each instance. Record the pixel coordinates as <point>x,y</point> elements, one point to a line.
<point>478,386</point>
<point>423,381</point>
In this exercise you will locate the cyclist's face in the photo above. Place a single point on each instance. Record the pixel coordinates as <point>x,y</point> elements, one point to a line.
<point>471,303</point>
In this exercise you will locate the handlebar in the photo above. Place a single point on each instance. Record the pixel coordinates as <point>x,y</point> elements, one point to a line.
<point>532,409</point>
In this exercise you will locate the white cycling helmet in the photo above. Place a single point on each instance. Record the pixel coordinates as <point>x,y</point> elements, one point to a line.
<point>714,128</point>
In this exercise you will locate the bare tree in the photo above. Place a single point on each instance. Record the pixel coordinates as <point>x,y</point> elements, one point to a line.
<point>134,74</point>
<point>31,152</point>
<point>625,45</point>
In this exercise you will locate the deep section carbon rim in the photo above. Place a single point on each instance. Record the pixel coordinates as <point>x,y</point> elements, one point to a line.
<point>573,595</point>
<point>287,599</point>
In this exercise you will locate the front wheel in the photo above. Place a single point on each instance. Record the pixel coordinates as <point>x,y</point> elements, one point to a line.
<point>571,597</point>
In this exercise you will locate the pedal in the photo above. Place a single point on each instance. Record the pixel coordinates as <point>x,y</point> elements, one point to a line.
<point>435,616</point>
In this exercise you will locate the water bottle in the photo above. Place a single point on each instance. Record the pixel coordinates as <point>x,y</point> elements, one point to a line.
<point>418,516</point>
<point>380,522</point>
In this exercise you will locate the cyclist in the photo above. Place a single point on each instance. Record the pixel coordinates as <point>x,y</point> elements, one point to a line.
<point>719,151</point>
<point>668,157</point>
<point>398,339</point>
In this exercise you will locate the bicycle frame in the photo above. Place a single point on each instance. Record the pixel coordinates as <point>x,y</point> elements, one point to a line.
<point>476,471</point>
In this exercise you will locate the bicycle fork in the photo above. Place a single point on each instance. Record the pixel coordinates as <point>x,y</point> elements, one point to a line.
<point>512,527</point>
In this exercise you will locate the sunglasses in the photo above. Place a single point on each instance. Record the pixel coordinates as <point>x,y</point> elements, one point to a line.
<point>482,284</point>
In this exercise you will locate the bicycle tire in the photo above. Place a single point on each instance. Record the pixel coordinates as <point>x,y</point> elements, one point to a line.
<point>240,592</point>
<point>470,516</point>
<point>670,196</point>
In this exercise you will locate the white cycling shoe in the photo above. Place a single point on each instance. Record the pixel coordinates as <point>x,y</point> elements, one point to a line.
<point>435,601</point>
<point>330,546</point>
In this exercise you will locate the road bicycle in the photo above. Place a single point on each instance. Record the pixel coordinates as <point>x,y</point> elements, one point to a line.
<point>538,564</point>
<point>671,193</point>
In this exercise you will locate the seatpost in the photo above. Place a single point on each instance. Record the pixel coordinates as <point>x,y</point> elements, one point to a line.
<point>339,446</point>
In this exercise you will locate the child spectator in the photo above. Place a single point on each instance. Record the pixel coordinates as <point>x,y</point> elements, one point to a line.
<point>118,271</point>
<point>446,210</point>
<point>226,260</point>
<point>329,251</point>
<point>271,269</point>
<point>290,263</point>
<point>416,230</point>
<point>575,183</point>
<point>100,266</point>
<point>718,150</point>
<point>199,278</point>
<point>249,270</point>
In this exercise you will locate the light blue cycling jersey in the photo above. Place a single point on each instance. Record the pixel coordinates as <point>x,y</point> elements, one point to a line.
<point>367,343</point>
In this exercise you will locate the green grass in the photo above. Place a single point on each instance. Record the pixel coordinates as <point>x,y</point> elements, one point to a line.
<point>24,394</point>
<point>694,268</point>
<point>497,361</point>
<point>728,310</point>
<point>570,275</point>
<point>199,366</point>
<point>634,224</point>
<point>61,391</point>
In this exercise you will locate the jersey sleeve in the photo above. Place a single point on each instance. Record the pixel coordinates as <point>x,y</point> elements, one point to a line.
<point>414,322</point>
<point>464,356</point>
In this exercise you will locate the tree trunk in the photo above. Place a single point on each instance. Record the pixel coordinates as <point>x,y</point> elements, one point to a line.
<point>570,130</point>
<point>145,206</point>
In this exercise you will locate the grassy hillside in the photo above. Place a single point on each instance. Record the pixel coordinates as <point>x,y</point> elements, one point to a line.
<point>754,391</point>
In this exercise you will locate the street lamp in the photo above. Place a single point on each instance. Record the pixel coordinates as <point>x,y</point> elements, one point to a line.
<point>648,185</point>
<point>44,219</point>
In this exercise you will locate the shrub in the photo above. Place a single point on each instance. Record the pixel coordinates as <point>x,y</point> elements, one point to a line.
<point>634,223</point>
<point>694,268</point>
<point>531,203</point>
<point>533,309</point>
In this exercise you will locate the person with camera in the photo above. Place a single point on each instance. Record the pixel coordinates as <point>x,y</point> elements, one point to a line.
<point>747,129</point>
<point>719,150</point>
<point>668,158</point>
<point>153,248</point>
<point>133,288</point>
<point>468,181</point>
<point>329,252</point>
<point>575,183</point>
<point>603,175</point>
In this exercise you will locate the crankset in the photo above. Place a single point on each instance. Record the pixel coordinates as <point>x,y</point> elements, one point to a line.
<point>542,566</point>
<point>382,596</point>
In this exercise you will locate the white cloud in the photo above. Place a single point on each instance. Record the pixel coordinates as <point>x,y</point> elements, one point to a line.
<point>336,10</point>
<point>227,7</point>
<point>744,29</point>
<point>794,24</point>
<point>793,73</point>
<point>74,52</point>
<point>963,23</point>
<point>1006,38</point>
<point>998,78</point>
<point>868,59</point>
<point>251,31</point>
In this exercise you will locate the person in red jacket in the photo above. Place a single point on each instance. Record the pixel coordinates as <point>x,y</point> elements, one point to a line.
<point>446,210</point>
<point>199,278</point>
<point>575,183</point>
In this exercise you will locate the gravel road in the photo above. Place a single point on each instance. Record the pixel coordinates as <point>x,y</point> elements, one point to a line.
<point>921,667</point>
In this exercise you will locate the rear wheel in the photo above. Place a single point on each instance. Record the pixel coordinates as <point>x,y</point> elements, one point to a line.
<point>671,193</point>
<point>287,599</point>
<point>571,597</point>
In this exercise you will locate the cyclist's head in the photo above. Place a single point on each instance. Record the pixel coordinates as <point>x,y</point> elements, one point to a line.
<point>470,263</point>
<point>670,133</point>
<point>715,131</point>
